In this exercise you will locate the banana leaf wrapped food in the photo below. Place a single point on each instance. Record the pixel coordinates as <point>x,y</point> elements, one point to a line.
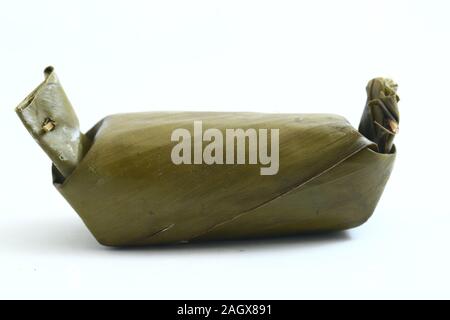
<point>168,177</point>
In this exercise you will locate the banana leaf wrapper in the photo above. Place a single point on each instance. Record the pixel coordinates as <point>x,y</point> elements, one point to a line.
<point>120,179</point>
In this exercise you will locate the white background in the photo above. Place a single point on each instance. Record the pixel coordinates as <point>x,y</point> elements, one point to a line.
<point>268,56</point>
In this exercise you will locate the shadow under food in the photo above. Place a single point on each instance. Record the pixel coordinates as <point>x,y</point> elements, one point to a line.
<point>299,241</point>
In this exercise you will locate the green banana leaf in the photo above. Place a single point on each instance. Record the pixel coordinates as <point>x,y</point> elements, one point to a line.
<point>121,180</point>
